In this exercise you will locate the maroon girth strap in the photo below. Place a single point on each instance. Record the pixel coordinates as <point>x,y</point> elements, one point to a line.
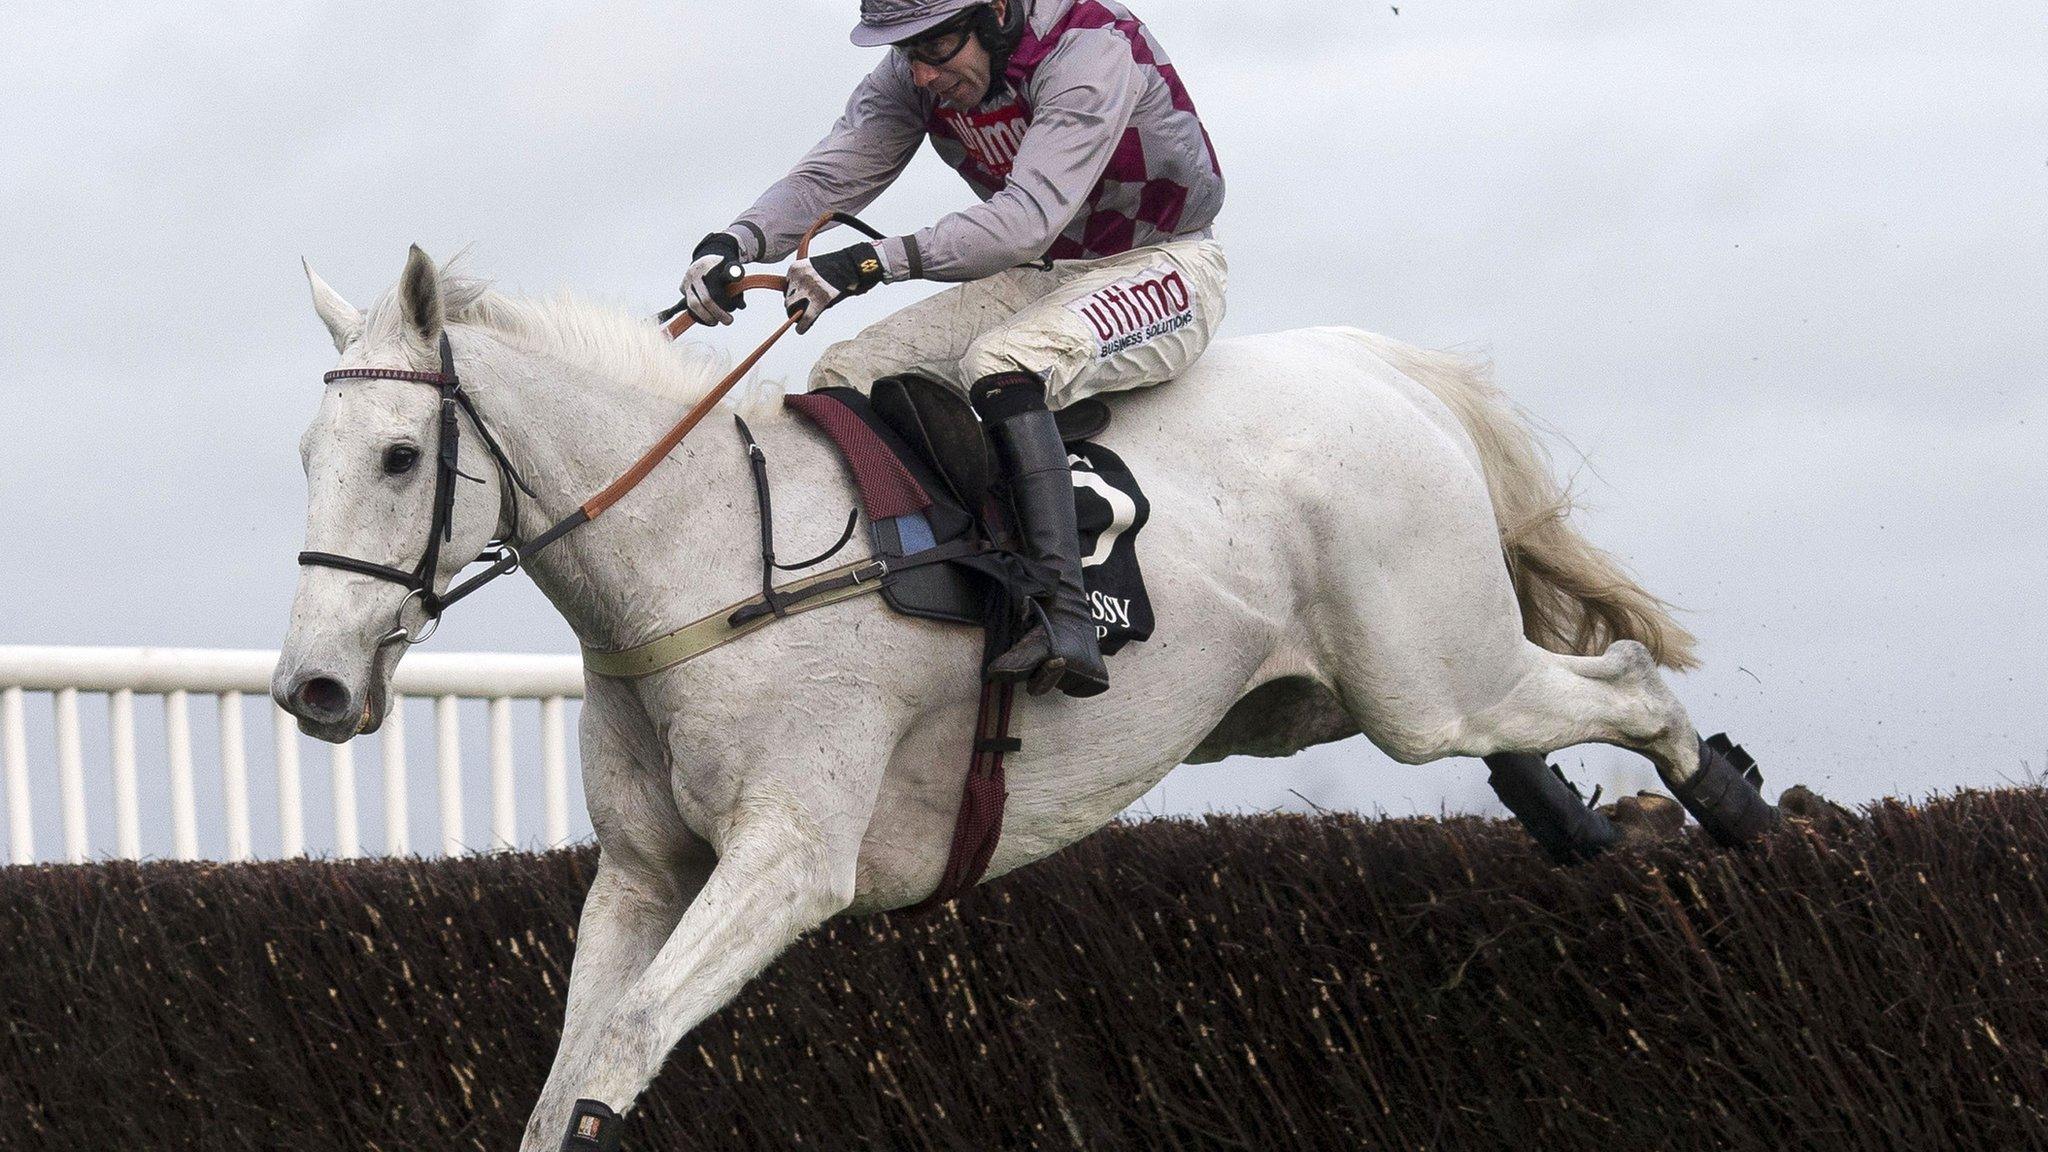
<point>980,822</point>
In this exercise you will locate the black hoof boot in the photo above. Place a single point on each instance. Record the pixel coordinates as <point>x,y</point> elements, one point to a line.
<point>1564,825</point>
<point>1060,651</point>
<point>1726,796</point>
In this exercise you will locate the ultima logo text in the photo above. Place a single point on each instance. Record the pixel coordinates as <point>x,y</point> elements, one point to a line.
<point>991,137</point>
<point>1136,310</point>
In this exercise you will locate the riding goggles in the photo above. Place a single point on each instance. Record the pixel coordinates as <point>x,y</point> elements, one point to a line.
<point>941,44</point>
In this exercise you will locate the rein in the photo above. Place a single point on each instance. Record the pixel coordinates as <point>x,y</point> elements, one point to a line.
<point>978,823</point>
<point>507,555</point>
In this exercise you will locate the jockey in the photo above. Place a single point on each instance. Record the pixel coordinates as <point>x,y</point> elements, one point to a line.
<point>1088,266</point>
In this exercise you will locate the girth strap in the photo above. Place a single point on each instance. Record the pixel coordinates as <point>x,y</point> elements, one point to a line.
<point>979,825</point>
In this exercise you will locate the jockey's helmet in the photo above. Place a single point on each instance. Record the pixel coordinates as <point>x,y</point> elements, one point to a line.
<point>899,21</point>
<point>894,21</point>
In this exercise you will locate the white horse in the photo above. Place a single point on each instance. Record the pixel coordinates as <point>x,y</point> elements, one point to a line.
<point>1325,557</point>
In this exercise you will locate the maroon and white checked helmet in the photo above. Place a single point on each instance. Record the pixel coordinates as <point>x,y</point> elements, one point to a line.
<point>894,21</point>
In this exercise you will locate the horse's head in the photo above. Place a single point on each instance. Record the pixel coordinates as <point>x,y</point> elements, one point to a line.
<point>372,460</point>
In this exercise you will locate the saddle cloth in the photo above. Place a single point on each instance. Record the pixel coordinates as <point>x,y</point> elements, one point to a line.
<point>919,461</point>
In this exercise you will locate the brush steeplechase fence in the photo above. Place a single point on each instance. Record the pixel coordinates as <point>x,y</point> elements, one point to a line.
<point>1232,983</point>
<point>175,675</point>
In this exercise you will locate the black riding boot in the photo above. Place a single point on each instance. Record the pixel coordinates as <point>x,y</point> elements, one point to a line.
<point>1034,463</point>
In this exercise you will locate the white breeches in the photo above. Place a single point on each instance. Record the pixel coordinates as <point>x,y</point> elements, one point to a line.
<point>1087,326</point>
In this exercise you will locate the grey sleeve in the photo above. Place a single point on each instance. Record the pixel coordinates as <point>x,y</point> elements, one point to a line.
<point>860,157</point>
<point>1082,98</point>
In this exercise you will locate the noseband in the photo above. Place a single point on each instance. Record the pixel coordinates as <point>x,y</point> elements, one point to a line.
<point>502,554</point>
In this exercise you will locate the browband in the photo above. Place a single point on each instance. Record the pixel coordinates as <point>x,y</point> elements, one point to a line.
<point>441,378</point>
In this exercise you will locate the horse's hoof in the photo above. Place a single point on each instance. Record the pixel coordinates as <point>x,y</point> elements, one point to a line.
<point>1646,818</point>
<point>1807,806</point>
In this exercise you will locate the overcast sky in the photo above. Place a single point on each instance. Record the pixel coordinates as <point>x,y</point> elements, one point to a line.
<point>1775,275</point>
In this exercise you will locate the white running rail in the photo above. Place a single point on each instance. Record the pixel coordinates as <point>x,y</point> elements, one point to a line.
<point>231,676</point>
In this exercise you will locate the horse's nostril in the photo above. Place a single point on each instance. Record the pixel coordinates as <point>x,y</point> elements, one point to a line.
<point>323,698</point>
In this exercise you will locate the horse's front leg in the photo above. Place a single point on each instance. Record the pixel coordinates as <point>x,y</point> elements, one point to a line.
<point>779,874</point>
<point>649,867</point>
<point>627,917</point>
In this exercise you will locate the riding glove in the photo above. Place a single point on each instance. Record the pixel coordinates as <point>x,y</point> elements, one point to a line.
<point>822,281</point>
<point>714,264</point>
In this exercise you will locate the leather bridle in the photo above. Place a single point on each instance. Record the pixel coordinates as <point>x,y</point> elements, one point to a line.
<point>507,554</point>
<point>501,553</point>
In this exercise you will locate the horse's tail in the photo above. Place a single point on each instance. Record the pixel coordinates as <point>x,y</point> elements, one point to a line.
<point>1575,597</point>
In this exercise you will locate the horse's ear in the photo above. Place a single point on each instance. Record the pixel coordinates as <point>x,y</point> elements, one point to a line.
<point>343,321</point>
<point>419,297</point>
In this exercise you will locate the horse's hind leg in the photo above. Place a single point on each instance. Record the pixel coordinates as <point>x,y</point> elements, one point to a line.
<point>1554,701</point>
<point>1620,698</point>
<point>1614,698</point>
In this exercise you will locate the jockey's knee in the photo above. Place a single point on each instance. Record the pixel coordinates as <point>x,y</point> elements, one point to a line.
<point>986,358</point>
<point>842,365</point>
<point>1006,350</point>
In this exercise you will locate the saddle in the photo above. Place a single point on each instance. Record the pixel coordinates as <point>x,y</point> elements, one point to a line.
<point>943,427</point>
<point>925,473</point>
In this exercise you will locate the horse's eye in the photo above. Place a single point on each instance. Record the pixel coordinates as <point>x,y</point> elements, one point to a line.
<point>400,458</point>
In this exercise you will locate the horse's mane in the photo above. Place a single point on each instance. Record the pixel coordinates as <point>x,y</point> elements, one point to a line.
<point>607,340</point>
